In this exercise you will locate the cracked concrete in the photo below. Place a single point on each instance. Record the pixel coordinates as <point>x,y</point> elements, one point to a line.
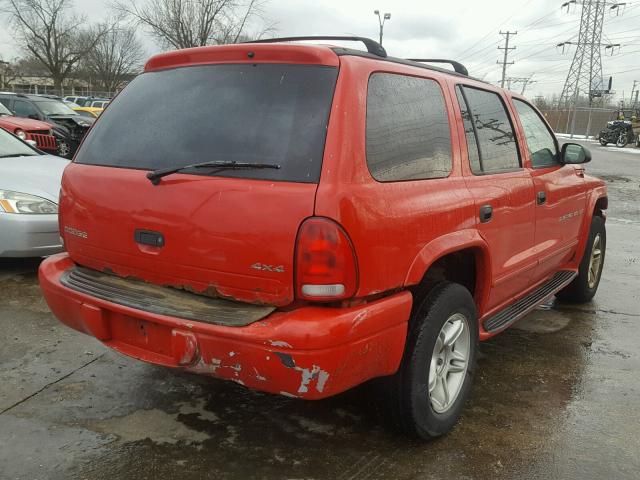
<point>557,396</point>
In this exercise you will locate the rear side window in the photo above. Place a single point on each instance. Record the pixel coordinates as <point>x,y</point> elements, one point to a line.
<point>254,113</point>
<point>408,135</point>
<point>490,137</point>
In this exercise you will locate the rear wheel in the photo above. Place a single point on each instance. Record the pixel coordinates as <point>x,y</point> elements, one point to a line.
<point>638,141</point>
<point>429,391</point>
<point>603,142</point>
<point>584,286</point>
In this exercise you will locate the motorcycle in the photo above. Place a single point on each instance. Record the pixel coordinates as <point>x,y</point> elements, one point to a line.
<point>619,132</point>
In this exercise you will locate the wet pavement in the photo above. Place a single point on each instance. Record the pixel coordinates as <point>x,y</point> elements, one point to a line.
<point>557,396</point>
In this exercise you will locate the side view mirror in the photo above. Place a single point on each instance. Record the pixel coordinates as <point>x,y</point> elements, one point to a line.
<point>573,153</point>
<point>32,143</point>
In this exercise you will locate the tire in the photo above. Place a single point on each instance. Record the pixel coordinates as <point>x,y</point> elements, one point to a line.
<point>418,410</point>
<point>584,286</point>
<point>638,141</point>
<point>603,142</point>
<point>622,140</point>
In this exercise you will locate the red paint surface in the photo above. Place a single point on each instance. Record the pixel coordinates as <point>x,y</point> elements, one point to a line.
<point>34,130</point>
<point>216,228</point>
<point>350,345</point>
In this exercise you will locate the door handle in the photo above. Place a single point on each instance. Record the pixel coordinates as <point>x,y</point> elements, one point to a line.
<point>486,212</point>
<point>541,197</point>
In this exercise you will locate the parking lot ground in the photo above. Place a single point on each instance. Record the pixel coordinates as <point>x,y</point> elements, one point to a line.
<point>557,396</point>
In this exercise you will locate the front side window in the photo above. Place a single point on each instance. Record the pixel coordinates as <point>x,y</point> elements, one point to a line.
<point>249,113</point>
<point>540,142</point>
<point>408,135</point>
<point>488,118</point>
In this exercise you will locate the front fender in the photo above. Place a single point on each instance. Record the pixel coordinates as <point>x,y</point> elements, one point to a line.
<point>594,194</point>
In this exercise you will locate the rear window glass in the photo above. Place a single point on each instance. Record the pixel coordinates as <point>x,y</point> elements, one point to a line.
<point>257,113</point>
<point>408,136</point>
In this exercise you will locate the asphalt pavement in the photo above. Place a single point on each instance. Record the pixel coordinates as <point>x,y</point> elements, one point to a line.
<point>556,397</point>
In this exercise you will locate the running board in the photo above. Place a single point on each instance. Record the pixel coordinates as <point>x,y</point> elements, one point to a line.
<point>519,309</point>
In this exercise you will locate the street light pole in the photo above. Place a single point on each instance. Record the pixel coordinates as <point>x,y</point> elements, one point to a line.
<point>381,21</point>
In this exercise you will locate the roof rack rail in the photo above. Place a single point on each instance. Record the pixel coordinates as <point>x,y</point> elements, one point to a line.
<point>457,66</point>
<point>372,46</point>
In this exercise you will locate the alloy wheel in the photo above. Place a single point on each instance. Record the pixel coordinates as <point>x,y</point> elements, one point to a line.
<point>595,262</point>
<point>449,362</point>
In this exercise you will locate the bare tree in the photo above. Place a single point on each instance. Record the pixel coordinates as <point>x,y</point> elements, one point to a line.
<point>49,31</point>
<point>194,23</point>
<point>116,56</point>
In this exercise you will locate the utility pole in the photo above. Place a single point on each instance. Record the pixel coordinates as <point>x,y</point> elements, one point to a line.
<point>381,21</point>
<point>506,49</point>
<point>523,80</point>
<point>633,101</point>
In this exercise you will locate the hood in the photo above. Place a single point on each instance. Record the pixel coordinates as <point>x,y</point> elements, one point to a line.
<point>36,175</point>
<point>77,119</point>
<point>26,124</point>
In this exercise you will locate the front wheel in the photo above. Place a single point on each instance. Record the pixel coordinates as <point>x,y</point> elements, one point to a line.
<point>638,141</point>
<point>429,391</point>
<point>584,286</point>
<point>622,140</point>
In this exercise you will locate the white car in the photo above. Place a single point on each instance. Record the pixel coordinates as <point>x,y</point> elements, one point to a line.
<point>29,189</point>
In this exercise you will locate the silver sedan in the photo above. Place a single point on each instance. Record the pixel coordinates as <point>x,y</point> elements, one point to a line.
<point>29,189</point>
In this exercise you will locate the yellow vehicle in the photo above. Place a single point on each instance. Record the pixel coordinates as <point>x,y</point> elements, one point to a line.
<point>88,111</point>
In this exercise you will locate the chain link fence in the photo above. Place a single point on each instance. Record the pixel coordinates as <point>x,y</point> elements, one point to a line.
<point>49,90</point>
<point>584,121</point>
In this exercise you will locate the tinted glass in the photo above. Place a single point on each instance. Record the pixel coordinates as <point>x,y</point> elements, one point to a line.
<point>541,143</point>
<point>496,140</point>
<point>4,110</point>
<point>472,144</point>
<point>24,109</point>
<point>261,113</point>
<point>408,136</point>
<point>54,107</point>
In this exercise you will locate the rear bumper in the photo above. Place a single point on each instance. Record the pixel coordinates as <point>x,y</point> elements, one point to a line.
<point>23,235</point>
<point>310,352</point>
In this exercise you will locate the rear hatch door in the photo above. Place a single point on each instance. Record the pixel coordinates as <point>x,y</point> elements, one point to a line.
<point>221,232</point>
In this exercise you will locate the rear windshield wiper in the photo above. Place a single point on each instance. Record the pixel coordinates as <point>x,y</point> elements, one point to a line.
<point>156,175</point>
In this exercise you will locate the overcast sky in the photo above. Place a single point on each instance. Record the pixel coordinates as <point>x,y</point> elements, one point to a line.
<point>464,30</point>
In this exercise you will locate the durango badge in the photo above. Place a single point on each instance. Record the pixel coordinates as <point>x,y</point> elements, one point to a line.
<point>75,232</point>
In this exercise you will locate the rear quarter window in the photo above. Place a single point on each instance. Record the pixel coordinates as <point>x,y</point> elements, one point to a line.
<point>407,134</point>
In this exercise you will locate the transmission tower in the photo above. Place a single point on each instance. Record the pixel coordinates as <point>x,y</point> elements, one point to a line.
<point>585,74</point>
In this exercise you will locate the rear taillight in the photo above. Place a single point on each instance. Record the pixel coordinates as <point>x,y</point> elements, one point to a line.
<point>326,267</point>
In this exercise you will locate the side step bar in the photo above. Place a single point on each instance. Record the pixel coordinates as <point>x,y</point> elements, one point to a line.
<point>519,309</point>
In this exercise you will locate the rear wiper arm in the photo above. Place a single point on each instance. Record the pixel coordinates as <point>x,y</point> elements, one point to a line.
<point>156,175</point>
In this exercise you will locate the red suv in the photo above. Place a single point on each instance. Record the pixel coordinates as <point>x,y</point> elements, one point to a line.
<point>302,218</point>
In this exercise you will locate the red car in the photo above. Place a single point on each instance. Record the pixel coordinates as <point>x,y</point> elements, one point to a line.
<point>28,129</point>
<point>300,219</point>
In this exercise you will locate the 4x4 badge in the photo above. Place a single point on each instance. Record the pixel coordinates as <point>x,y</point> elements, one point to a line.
<point>268,268</point>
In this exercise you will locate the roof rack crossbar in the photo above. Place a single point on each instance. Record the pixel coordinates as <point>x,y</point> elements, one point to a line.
<point>457,66</point>
<point>372,46</point>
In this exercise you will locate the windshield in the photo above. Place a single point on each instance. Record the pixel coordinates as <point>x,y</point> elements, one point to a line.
<point>254,113</point>
<point>10,146</point>
<point>54,107</point>
<point>4,110</point>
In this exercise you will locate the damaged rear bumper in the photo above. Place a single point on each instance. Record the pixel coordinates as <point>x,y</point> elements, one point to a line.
<point>310,352</point>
